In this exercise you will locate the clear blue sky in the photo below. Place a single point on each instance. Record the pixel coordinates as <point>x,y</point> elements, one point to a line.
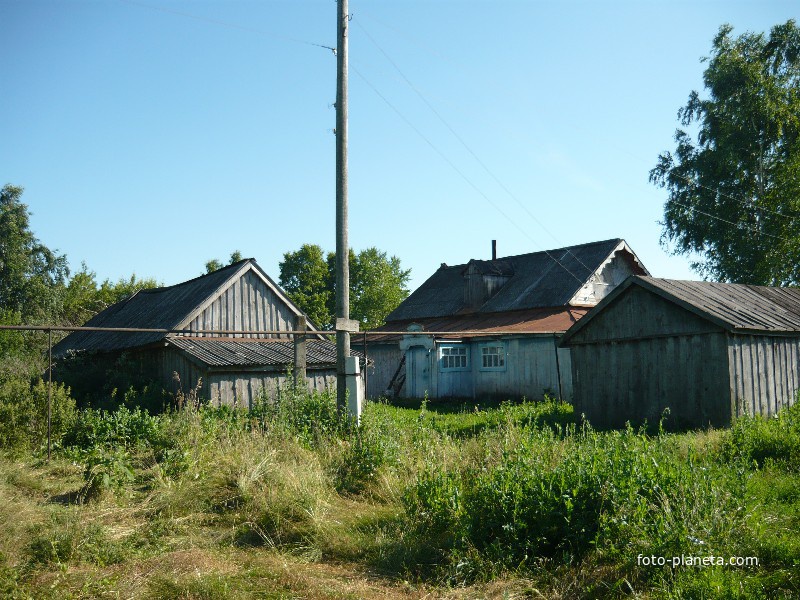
<point>152,136</point>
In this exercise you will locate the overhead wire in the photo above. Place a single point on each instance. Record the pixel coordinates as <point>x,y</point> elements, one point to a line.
<point>741,201</point>
<point>468,148</point>
<point>455,134</point>
<point>459,171</point>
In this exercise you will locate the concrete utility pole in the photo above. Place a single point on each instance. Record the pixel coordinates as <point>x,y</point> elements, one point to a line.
<point>342,247</point>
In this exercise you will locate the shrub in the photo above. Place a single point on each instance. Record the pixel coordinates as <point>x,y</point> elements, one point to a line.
<point>758,439</point>
<point>23,414</point>
<point>122,427</point>
<point>106,471</point>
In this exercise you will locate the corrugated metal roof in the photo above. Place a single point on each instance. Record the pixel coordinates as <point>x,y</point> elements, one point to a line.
<point>734,306</point>
<point>538,320</point>
<point>157,308</point>
<point>536,280</point>
<point>237,352</point>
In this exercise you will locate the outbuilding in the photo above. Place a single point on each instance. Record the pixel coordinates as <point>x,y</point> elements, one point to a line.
<point>201,343</point>
<point>695,352</point>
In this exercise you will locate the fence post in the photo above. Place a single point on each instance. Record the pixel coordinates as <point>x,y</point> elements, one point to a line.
<point>300,351</point>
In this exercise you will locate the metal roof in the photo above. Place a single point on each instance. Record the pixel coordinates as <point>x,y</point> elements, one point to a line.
<point>731,306</point>
<point>239,352</point>
<point>536,280</point>
<point>157,308</point>
<point>538,320</point>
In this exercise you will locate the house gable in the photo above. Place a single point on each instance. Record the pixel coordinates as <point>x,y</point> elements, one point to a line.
<point>248,301</point>
<point>636,313</point>
<point>617,267</point>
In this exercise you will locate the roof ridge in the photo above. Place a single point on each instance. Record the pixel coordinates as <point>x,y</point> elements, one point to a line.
<point>231,266</point>
<point>526,254</point>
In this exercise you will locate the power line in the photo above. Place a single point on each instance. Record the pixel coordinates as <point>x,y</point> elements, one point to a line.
<point>737,225</point>
<point>227,24</point>
<point>465,145</point>
<point>743,202</point>
<point>460,172</point>
<point>440,56</point>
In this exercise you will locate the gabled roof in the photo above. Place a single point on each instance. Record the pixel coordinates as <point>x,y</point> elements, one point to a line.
<point>171,307</point>
<point>537,280</point>
<point>734,307</point>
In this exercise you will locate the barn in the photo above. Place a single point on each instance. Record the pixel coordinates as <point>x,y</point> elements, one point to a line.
<point>495,324</point>
<point>232,367</point>
<point>707,352</point>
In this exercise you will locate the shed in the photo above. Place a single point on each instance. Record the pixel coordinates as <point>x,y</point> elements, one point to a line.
<point>495,324</point>
<point>233,367</point>
<point>706,351</point>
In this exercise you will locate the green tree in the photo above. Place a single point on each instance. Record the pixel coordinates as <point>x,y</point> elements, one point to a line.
<point>304,277</point>
<point>31,275</point>
<point>215,264</point>
<point>734,188</point>
<point>84,298</point>
<point>377,284</point>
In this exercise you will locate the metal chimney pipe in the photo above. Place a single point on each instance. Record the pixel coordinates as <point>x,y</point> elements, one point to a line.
<point>494,249</point>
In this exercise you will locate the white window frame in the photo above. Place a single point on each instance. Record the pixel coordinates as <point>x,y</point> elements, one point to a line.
<point>498,358</point>
<point>445,356</point>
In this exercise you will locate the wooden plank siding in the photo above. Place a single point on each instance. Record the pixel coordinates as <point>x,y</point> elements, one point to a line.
<point>242,389</point>
<point>248,304</point>
<point>531,371</point>
<point>384,360</point>
<point>763,373</point>
<point>188,373</point>
<point>637,380</point>
<point>641,314</point>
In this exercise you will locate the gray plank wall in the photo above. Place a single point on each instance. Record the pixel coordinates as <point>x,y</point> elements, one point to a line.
<point>247,305</point>
<point>188,373</point>
<point>643,354</point>
<point>636,380</point>
<point>385,358</point>
<point>242,389</point>
<point>531,370</point>
<point>763,373</point>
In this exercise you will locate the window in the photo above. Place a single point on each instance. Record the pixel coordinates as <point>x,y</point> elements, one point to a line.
<point>493,357</point>
<point>453,357</point>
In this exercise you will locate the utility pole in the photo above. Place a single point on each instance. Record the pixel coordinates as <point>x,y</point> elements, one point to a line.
<point>342,247</point>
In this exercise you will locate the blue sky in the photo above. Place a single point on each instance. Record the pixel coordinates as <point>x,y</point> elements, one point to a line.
<point>152,136</point>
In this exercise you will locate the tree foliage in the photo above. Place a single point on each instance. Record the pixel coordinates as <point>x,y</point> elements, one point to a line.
<point>734,186</point>
<point>31,275</point>
<point>84,297</point>
<point>215,264</point>
<point>377,284</point>
<point>305,277</point>
<point>36,289</point>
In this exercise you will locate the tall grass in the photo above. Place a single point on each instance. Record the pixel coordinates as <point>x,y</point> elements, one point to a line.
<point>443,496</point>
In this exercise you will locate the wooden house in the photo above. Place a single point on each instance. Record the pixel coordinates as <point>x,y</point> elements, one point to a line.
<point>233,367</point>
<point>706,351</point>
<point>495,324</point>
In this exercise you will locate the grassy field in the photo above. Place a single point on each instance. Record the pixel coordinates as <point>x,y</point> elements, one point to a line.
<point>503,500</point>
